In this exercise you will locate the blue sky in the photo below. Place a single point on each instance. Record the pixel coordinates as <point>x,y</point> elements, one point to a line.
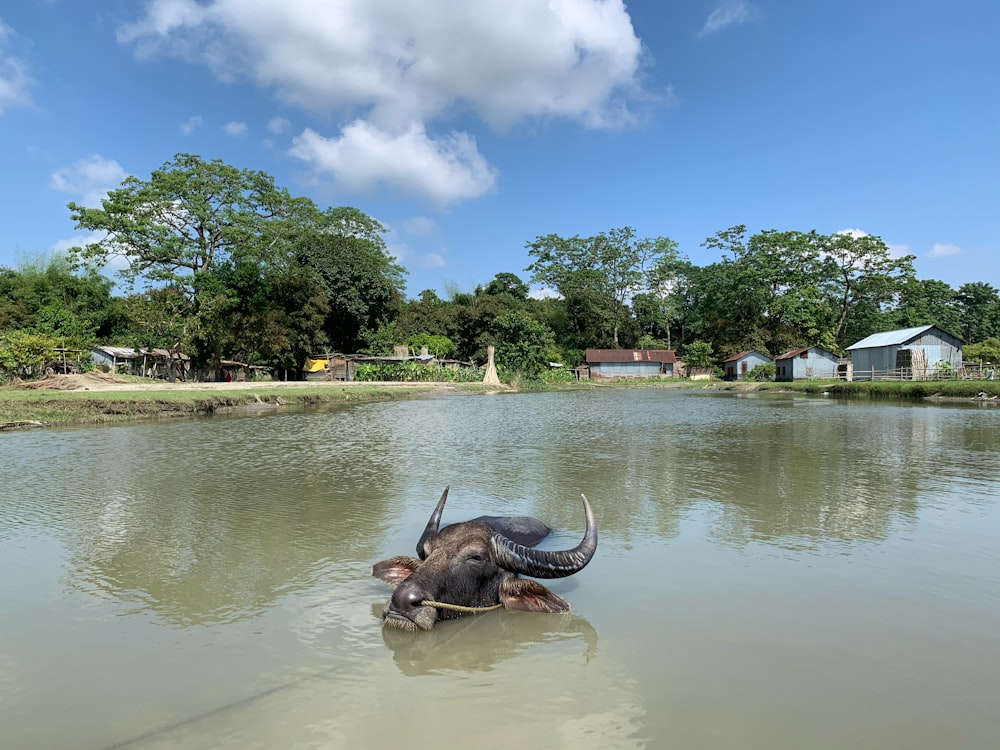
<point>469,129</point>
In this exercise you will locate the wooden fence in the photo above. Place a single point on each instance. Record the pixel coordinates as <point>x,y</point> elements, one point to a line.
<point>914,373</point>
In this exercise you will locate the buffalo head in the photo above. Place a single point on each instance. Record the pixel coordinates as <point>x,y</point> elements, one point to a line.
<point>475,565</point>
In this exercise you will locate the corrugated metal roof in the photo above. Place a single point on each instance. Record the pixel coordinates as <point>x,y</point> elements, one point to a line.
<point>663,356</point>
<point>890,338</point>
<point>741,355</point>
<point>127,352</point>
<point>793,353</point>
<point>119,352</point>
<point>797,352</point>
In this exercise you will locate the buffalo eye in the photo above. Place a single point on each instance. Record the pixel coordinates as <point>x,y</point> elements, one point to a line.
<point>475,559</point>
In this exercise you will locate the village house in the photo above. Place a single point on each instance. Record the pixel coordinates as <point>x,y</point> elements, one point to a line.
<point>630,363</point>
<point>805,363</point>
<point>737,366</point>
<point>907,354</point>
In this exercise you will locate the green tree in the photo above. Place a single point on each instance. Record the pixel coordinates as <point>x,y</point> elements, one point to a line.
<point>769,295</point>
<point>74,308</point>
<point>984,351</point>
<point>860,278</point>
<point>927,301</point>
<point>428,314</point>
<point>161,319</point>
<point>382,341</point>
<point>473,316</point>
<point>187,217</point>
<point>601,273</point>
<point>979,307</point>
<point>698,354</point>
<point>347,256</point>
<point>236,247</point>
<point>523,345</point>
<point>658,307</point>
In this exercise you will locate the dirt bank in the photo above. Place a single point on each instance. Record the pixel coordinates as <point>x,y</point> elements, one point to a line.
<point>96,398</point>
<point>98,381</point>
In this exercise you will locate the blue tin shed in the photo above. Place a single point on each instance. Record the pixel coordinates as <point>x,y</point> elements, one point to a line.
<point>907,353</point>
<point>805,363</point>
<point>630,363</point>
<point>738,365</point>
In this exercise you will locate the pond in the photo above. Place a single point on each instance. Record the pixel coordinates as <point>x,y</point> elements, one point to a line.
<point>774,571</point>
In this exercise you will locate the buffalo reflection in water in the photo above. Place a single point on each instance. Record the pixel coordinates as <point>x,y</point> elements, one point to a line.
<point>480,642</point>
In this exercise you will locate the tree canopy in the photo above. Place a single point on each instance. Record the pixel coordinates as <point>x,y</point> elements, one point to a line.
<point>219,262</point>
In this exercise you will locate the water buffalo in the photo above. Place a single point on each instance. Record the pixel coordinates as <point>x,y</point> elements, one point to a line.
<point>474,565</point>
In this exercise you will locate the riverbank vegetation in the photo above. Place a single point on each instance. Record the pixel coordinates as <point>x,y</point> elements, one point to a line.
<point>906,389</point>
<point>220,263</point>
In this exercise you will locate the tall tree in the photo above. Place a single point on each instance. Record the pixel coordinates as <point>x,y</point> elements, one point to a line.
<point>604,270</point>
<point>187,217</point>
<point>364,286</point>
<point>862,278</point>
<point>927,301</point>
<point>222,237</point>
<point>662,299</point>
<point>428,314</point>
<point>979,305</point>
<point>473,316</point>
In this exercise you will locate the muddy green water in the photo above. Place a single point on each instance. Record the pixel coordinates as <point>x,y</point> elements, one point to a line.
<point>773,572</point>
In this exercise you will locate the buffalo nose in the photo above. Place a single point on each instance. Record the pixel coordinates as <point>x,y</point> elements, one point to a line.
<point>407,596</point>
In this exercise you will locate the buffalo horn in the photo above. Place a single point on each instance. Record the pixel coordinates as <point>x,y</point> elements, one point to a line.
<point>432,525</point>
<point>545,563</point>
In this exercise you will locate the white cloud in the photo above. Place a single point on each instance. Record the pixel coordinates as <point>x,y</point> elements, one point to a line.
<point>394,68</point>
<point>277,125</point>
<point>506,60</point>
<point>89,179</point>
<point>191,124</point>
<point>940,250</point>
<point>235,128</point>
<point>420,226</point>
<point>440,171</point>
<point>14,78</point>
<point>117,262</point>
<point>79,240</point>
<point>430,261</point>
<point>726,13</point>
<point>856,233</point>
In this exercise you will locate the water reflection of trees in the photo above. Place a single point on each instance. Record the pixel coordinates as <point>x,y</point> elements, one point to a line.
<point>219,532</point>
<point>789,471</point>
<point>213,521</point>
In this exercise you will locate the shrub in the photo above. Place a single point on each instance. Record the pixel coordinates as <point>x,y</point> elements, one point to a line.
<point>24,353</point>
<point>415,372</point>
<point>761,373</point>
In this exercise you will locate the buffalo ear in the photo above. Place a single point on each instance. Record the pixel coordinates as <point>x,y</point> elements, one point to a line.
<point>525,595</point>
<point>395,570</point>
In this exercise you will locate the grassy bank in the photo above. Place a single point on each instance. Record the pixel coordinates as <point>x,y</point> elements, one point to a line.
<point>913,389</point>
<point>54,407</point>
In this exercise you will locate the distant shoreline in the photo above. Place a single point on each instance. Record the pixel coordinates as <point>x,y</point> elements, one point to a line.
<point>100,399</point>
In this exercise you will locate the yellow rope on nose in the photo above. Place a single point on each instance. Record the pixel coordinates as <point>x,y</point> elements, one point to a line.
<point>458,607</point>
